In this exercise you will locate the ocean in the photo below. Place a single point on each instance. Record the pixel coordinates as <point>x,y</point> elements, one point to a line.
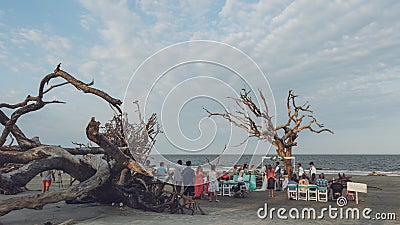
<point>328,164</point>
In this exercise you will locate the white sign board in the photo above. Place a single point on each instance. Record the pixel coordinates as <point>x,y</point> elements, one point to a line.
<point>357,187</point>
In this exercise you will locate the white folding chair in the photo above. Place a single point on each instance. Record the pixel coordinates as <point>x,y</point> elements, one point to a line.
<point>322,194</point>
<point>302,192</point>
<point>312,193</point>
<point>292,191</point>
<point>226,189</point>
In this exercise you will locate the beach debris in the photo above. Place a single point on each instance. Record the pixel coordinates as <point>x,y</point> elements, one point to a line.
<point>113,170</point>
<point>374,173</point>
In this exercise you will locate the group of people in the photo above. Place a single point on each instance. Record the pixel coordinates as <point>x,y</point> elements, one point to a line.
<point>301,178</point>
<point>242,173</point>
<point>196,184</point>
<point>273,176</point>
<point>193,181</point>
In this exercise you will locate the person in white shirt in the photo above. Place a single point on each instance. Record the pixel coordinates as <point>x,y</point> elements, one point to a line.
<point>178,176</point>
<point>46,179</point>
<point>300,170</point>
<point>313,170</point>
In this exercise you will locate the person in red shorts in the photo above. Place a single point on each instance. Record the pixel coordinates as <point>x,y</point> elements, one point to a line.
<point>46,179</point>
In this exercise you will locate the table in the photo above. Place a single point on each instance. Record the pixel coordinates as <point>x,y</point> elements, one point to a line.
<point>226,187</point>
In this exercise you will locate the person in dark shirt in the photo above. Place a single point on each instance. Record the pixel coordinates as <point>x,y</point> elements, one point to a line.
<point>188,176</point>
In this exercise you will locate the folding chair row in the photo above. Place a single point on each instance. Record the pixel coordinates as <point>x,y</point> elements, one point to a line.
<point>307,192</point>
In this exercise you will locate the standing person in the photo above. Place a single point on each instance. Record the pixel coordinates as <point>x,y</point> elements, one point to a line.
<point>46,179</point>
<point>313,170</point>
<point>235,173</point>
<point>147,165</point>
<point>149,168</point>
<point>188,176</point>
<point>246,175</point>
<point>270,177</point>
<point>300,170</point>
<point>178,176</point>
<point>278,176</point>
<point>285,181</point>
<point>161,172</point>
<point>198,188</point>
<point>243,171</point>
<point>213,185</point>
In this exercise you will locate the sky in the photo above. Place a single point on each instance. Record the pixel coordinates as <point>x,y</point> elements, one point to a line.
<point>176,57</point>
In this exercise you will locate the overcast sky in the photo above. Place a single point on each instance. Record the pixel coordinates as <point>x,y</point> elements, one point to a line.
<point>343,57</point>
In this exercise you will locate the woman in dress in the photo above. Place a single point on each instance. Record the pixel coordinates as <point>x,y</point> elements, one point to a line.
<point>213,185</point>
<point>243,173</point>
<point>235,173</point>
<point>270,177</point>
<point>198,187</point>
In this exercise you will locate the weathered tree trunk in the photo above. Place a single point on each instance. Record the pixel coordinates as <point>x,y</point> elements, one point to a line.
<point>37,160</point>
<point>288,162</point>
<point>116,177</point>
<point>36,201</point>
<point>104,181</point>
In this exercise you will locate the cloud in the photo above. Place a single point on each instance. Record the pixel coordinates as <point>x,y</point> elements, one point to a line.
<point>86,21</point>
<point>46,41</point>
<point>335,53</point>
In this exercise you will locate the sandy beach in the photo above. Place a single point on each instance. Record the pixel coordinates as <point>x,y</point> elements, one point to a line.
<point>382,197</point>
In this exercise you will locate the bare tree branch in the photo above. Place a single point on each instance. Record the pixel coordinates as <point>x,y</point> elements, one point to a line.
<point>92,132</point>
<point>106,177</point>
<point>24,107</point>
<point>249,113</point>
<point>141,136</point>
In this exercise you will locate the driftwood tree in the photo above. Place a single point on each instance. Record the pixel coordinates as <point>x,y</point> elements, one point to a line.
<point>257,121</point>
<point>141,137</point>
<point>112,176</point>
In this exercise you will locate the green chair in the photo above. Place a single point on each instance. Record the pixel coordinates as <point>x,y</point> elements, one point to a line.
<point>322,194</point>
<point>312,193</point>
<point>292,191</point>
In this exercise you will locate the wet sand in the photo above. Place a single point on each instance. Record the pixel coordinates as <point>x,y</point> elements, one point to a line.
<point>383,197</point>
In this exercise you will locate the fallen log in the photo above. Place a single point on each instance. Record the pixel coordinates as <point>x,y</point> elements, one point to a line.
<point>37,201</point>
